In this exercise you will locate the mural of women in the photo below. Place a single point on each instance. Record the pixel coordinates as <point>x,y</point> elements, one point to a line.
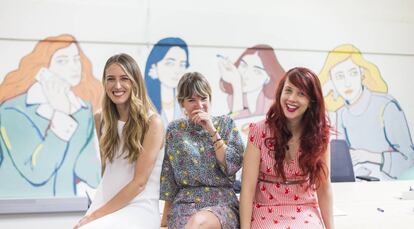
<point>46,120</point>
<point>251,81</point>
<point>370,120</point>
<point>165,65</point>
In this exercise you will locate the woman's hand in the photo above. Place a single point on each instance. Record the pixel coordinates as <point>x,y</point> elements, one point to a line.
<point>203,119</point>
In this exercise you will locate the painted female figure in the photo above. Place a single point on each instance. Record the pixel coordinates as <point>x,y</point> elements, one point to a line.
<point>165,65</point>
<point>251,81</point>
<point>370,120</point>
<point>46,119</point>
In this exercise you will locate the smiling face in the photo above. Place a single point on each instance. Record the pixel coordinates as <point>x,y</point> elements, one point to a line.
<point>170,69</point>
<point>293,101</point>
<point>118,85</point>
<point>252,73</point>
<point>196,102</point>
<point>347,80</point>
<point>65,64</point>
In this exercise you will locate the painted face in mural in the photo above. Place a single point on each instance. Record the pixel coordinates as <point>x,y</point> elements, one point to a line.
<point>65,64</point>
<point>252,73</point>
<point>171,67</point>
<point>293,101</point>
<point>347,80</point>
<point>118,85</point>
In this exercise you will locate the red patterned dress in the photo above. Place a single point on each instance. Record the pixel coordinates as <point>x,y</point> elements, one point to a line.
<point>281,205</point>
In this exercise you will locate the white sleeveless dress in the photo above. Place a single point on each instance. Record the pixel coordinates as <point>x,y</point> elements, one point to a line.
<point>141,212</point>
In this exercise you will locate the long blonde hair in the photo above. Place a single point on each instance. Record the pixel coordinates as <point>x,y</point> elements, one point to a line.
<point>19,81</point>
<point>140,107</point>
<point>371,75</point>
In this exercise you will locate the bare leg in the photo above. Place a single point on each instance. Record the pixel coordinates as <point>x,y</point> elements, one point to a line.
<point>203,220</point>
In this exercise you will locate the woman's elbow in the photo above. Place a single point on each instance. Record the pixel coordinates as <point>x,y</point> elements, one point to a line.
<point>325,188</point>
<point>138,186</point>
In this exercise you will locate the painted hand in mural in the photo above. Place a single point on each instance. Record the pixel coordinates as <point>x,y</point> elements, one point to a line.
<point>360,156</point>
<point>229,71</point>
<point>55,89</point>
<point>230,74</point>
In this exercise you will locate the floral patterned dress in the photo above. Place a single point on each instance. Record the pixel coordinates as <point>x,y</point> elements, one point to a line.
<point>281,205</point>
<point>193,179</point>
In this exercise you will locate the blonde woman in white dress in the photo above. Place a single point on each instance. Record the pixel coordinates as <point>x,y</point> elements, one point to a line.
<point>130,138</point>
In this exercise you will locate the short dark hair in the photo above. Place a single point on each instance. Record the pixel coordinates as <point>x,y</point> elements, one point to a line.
<point>192,83</point>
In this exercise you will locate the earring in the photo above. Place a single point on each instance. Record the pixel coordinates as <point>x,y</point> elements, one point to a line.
<point>267,80</point>
<point>152,72</point>
<point>184,112</point>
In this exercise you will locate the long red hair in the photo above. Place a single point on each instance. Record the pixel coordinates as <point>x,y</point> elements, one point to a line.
<point>315,135</point>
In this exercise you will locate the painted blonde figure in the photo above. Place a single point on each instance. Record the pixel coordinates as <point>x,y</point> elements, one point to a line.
<point>370,120</point>
<point>48,103</point>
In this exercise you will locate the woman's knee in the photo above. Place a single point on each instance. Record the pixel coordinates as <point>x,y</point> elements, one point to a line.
<point>203,220</point>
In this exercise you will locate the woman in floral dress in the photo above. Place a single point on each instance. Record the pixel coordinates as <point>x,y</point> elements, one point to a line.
<point>286,182</point>
<point>202,155</point>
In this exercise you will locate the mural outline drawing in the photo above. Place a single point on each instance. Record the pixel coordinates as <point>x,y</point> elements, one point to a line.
<point>48,140</point>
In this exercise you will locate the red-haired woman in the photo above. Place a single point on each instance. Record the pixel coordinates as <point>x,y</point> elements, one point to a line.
<point>286,181</point>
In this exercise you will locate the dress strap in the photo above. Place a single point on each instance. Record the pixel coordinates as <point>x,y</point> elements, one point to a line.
<point>150,113</point>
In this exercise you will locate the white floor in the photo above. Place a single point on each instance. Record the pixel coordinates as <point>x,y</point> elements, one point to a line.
<point>40,220</point>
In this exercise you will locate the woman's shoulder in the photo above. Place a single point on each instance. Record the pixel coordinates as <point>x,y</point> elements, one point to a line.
<point>17,101</point>
<point>259,126</point>
<point>222,119</point>
<point>177,124</point>
<point>258,131</point>
<point>97,116</point>
<point>154,120</point>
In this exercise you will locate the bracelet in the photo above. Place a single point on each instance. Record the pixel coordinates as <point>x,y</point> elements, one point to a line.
<point>218,147</point>
<point>218,139</point>
<point>215,132</point>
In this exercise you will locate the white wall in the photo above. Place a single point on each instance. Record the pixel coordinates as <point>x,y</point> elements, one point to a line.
<point>301,32</point>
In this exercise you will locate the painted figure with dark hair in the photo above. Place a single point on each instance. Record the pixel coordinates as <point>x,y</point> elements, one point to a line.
<point>166,63</point>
